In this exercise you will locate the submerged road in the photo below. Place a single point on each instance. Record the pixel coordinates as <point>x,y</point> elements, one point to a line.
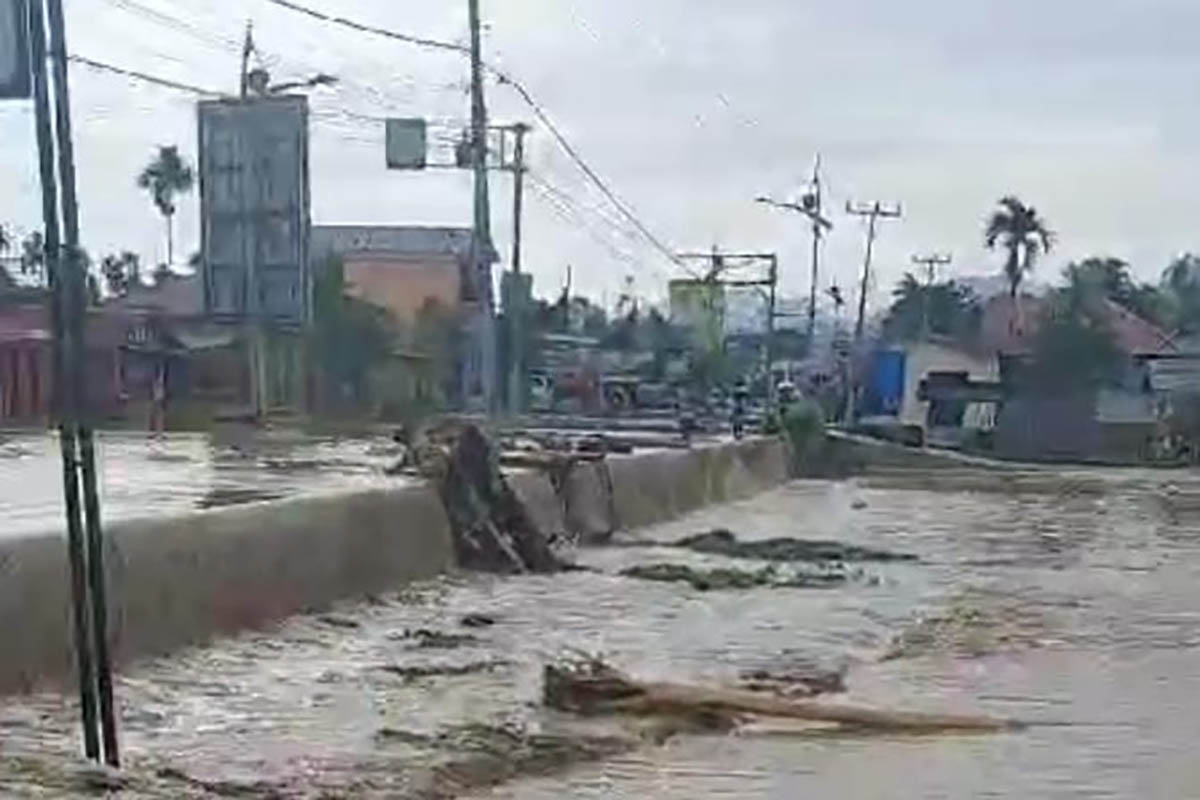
<point>145,476</point>
<point>1062,597</point>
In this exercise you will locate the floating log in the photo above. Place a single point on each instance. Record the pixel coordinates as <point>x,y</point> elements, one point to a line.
<point>595,688</point>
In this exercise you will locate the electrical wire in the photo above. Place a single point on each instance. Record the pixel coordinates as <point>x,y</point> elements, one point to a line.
<point>358,26</point>
<point>538,110</point>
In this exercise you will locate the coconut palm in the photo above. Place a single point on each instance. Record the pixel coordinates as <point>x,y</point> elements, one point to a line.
<point>166,176</point>
<point>1018,229</point>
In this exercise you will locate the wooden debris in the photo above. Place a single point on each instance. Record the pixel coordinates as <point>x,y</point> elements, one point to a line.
<point>594,688</point>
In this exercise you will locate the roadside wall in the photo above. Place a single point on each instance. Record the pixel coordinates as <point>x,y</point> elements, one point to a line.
<point>182,580</point>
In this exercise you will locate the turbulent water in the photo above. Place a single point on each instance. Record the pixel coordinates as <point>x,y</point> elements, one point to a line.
<point>1051,597</point>
<point>141,476</point>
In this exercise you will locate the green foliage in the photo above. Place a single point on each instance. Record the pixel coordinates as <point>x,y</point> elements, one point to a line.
<point>166,176</point>
<point>943,309</point>
<point>1181,282</point>
<point>120,272</point>
<point>1022,233</point>
<point>803,426</point>
<point>1110,278</point>
<point>1074,348</point>
<point>349,336</point>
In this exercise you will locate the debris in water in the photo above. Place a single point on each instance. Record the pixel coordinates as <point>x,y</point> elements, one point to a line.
<point>593,688</point>
<point>975,623</point>
<point>477,621</point>
<point>725,543</point>
<point>425,638</point>
<point>724,578</point>
<point>859,504</point>
<point>795,677</point>
<point>338,621</point>
<point>414,671</point>
<point>488,755</point>
<point>491,527</point>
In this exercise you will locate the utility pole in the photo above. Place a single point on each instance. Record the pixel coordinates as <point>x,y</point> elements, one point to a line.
<point>931,263</point>
<point>68,307</point>
<point>810,206</point>
<point>247,49</point>
<point>874,212</point>
<point>64,406</point>
<point>516,307</point>
<point>481,240</point>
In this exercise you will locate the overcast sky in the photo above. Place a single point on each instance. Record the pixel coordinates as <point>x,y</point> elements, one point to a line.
<point>689,108</point>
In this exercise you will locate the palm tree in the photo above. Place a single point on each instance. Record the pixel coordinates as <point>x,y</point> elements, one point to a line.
<point>166,176</point>
<point>1018,229</point>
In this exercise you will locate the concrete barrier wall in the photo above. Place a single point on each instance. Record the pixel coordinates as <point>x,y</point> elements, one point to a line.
<point>182,580</point>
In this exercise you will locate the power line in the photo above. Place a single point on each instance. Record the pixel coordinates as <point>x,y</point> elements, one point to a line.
<point>143,76</point>
<point>358,26</point>
<point>563,202</point>
<point>504,78</point>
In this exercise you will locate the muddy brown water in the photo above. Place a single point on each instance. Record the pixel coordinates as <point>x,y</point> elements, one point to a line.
<point>1033,598</point>
<point>141,475</point>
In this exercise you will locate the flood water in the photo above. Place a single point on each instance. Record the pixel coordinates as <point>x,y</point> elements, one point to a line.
<point>141,475</point>
<point>1066,598</point>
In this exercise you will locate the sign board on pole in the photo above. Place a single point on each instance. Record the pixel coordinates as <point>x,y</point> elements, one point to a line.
<point>406,144</point>
<point>14,49</point>
<point>254,209</point>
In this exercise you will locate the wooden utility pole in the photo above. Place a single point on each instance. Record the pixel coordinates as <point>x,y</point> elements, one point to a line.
<point>810,206</point>
<point>517,310</point>
<point>873,212</point>
<point>931,263</point>
<point>481,240</point>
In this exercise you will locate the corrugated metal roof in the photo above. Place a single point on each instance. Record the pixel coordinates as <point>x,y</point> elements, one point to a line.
<point>1175,374</point>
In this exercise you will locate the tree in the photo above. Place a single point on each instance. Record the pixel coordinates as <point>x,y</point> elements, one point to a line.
<point>944,309</point>
<point>6,239</point>
<point>120,272</point>
<point>350,336</point>
<point>1181,280</point>
<point>1074,348</point>
<point>1023,233</point>
<point>1110,278</point>
<point>166,176</point>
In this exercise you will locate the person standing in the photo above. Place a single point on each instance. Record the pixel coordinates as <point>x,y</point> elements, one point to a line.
<point>158,401</point>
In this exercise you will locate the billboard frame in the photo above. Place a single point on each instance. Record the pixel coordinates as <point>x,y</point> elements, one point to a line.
<point>19,85</point>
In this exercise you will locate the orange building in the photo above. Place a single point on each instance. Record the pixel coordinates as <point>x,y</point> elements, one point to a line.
<point>400,268</point>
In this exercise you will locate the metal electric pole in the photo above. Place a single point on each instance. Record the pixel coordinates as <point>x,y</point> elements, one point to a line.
<point>481,241</point>
<point>722,262</point>
<point>931,263</point>
<point>45,30</point>
<point>810,206</point>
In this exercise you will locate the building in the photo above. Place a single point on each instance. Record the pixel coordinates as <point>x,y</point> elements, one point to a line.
<point>25,365</point>
<point>1118,421</point>
<point>398,267</point>
<point>164,331</point>
<point>929,391</point>
<point>409,271</point>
